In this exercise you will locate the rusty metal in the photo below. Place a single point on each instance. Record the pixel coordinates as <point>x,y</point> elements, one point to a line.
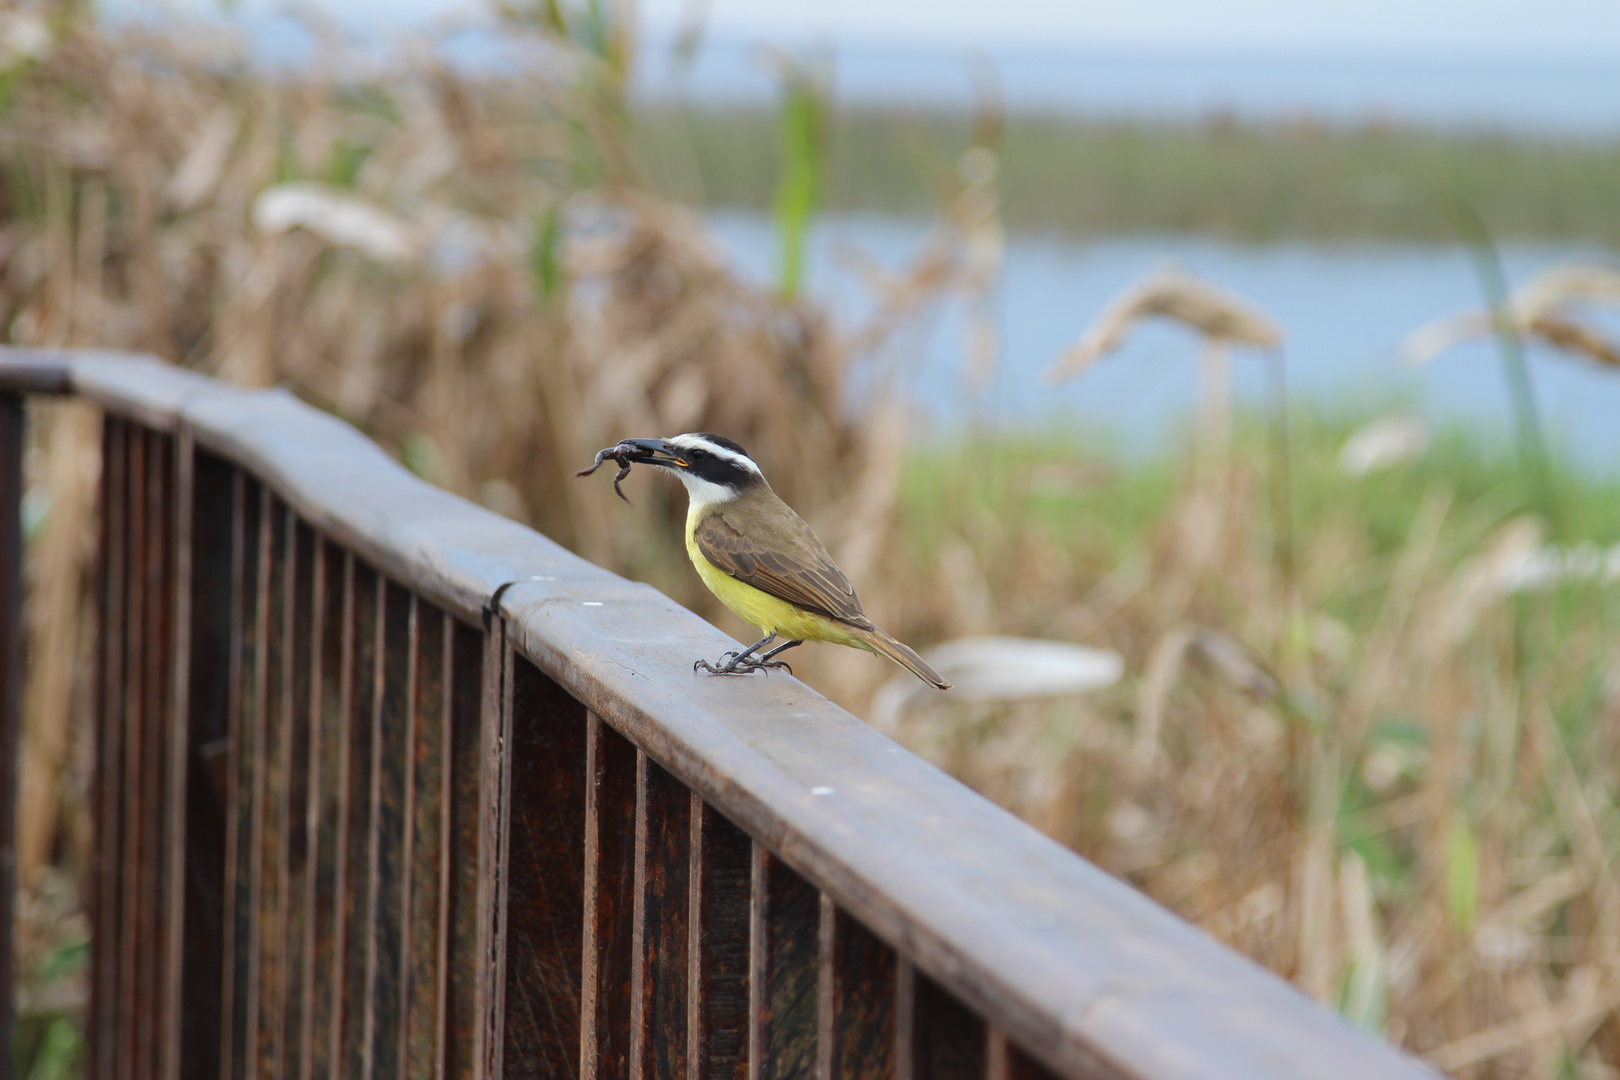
<point>11,677</point>
<point>342,832</point>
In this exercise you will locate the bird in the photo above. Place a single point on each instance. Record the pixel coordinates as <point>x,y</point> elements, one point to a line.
<point>762,560</point>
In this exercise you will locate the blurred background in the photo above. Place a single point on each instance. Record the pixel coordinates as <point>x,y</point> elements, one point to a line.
<point>1254,364</point>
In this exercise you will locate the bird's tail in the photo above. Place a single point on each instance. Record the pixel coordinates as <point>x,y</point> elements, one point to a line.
<point>902,654</point>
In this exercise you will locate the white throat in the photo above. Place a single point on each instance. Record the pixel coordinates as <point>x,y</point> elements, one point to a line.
<point>702,494</point>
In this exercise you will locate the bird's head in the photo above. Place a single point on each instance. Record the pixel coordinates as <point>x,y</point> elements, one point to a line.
<point>713,468</point>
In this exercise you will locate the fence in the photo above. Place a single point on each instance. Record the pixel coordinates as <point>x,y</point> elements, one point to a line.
<point>351,823</point>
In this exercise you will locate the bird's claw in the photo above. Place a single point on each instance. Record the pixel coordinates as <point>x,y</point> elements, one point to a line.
<point>732,664</point>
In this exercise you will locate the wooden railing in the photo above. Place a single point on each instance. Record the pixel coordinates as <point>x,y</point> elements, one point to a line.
<point>349,822</point>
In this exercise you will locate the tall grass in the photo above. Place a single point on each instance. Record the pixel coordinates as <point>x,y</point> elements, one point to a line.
<point>1413,817</point>
<point>1089,176</point>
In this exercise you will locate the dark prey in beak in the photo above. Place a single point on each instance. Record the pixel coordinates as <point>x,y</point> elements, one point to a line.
<point>626,452</point>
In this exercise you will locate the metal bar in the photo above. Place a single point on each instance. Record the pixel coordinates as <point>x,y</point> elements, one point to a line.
<point>494,829</point>
<point>208,644</point>
<point>298,631</point>
<point>717,1031</point>
<point>11,680</point>
<point>390,746</point>
<point>460,861</point>
<point>136,858</point>
<point>106,885</point>
<point>662,918</point>
<point>421,984</point>
<point>785,919</point>
<point>609,929</point>
<point>544,907</point>
<point>324,814</point>
<point>353,887</point>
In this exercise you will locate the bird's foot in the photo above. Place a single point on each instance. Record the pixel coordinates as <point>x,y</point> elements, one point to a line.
<point>732,664</point>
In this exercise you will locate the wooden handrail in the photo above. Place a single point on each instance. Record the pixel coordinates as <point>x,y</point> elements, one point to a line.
<point>975,914</point>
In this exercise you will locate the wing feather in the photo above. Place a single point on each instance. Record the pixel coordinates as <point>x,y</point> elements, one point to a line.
<point>792,566</point>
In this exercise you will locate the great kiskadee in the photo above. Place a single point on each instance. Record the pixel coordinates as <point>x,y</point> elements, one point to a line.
<point>762,560</point>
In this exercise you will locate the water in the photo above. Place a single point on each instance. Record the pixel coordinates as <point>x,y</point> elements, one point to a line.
<point>1345,308</point>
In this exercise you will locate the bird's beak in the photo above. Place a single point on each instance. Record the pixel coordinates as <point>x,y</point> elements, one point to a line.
<point>655,452</point>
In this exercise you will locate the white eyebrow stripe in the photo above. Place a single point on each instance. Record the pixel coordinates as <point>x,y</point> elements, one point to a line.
<point>692,442</point>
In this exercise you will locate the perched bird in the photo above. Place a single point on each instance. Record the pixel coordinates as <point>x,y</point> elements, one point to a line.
<point>761,559</point>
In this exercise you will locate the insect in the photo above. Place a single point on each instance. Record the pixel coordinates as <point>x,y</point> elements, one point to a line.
<point>619,452</point>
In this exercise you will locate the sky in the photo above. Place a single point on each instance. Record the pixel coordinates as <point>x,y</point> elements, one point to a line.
<point>1547,29</point>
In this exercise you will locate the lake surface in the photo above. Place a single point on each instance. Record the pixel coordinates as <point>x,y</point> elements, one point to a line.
<point>1345,308</point>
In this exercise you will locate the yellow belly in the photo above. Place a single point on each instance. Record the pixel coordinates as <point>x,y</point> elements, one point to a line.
<point>771,614</point>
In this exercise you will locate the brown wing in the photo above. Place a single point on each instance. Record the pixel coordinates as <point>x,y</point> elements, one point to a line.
<point>786,560</point>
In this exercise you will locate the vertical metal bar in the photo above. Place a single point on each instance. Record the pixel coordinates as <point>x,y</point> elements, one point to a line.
<point>353,887</point>
<point>663,909</point>
<point>108,884</point>
<point>328,742</point>
<point>11,678</point>
<point>785,922</point>
<point>208,643</point>
<point>717,1031</point>
<point>244,726</point>
<point>390,745</point>
<point>464,694</point>
<point>265,958</point>
<point>179,753</point>
<point>424,877</point>
<point>545,902</point>
<point>136,858</point>
<point>944,1039</point>
<point>298,631</point>
<point>609,929</point>
<point>494,814</point>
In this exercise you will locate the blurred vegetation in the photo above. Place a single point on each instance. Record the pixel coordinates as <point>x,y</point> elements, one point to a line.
<point>1388,770</point>
<point>1085,178</point>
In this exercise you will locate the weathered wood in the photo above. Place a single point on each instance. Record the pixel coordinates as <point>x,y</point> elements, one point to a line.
<point>326,810</point>
<point>663,909</point>
<point>266,957</point>
<point>391,755</point>
<point>421,983</point>
<point>11,677</point>
<point>784,952</point>
<point>609,942</point>
<point>1076,967</point>
<point>722,865</point>
<point>133,999</point>
<point>862,971</point>
<point>298,630</point>
<point>354,883</point>
<point>463,773</point>
<point>208,644</point>
<point>106,884</point>
<point>545,908</point>
<point>494,837</point>
<point>248,499</point>
<point>944,1039</point>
